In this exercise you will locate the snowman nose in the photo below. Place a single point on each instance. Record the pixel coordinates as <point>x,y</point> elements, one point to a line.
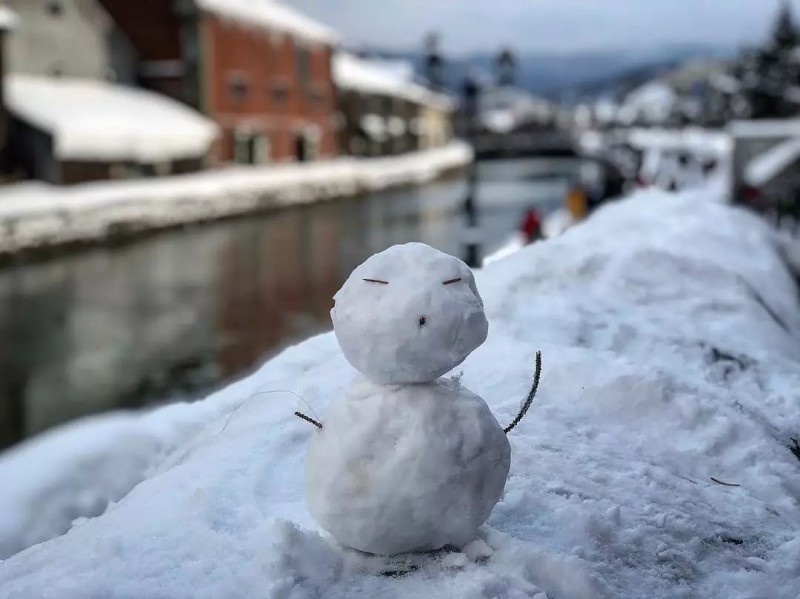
<point>422,321</point>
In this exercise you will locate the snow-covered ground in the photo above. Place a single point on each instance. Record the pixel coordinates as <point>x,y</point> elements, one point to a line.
<point>35,215</point>
<point>670,330</point>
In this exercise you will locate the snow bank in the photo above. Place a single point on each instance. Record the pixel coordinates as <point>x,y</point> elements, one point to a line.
<point>670,331</point>
<point>96,120</point>
<point>34,215</point>
<point>273,16</point>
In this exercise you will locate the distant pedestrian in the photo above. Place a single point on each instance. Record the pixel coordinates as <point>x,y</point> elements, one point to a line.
<point>532,226</point>
<point>577,203</point>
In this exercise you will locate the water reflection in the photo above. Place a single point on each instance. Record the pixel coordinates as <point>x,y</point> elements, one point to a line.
<point>177,314</point>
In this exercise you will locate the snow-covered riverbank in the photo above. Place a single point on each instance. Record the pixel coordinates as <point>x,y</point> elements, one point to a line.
<point>34,215</point>
<point>670,330</point>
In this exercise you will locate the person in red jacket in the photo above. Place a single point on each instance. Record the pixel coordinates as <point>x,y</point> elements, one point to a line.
<point>532,226</point>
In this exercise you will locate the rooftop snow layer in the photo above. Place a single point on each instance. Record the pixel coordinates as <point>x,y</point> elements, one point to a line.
<point>670,331</point>
<point>271,15</point>
<point>765,167</point>
<point>95,120</point>
<point>8,18</point>
<point>353,73</point>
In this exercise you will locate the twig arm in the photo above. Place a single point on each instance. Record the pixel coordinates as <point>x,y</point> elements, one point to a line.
<point>531,395</point>
<point>308,419</point>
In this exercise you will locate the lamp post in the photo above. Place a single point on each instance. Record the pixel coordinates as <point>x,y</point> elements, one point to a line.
<point>471,93</point>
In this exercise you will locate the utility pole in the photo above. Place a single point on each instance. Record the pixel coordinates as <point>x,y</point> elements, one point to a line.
<point>471,94</point>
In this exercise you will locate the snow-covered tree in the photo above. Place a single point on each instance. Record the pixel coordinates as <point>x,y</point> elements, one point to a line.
<point>784,34</point>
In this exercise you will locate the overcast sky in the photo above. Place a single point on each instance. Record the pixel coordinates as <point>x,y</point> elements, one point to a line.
<point>560,25</point>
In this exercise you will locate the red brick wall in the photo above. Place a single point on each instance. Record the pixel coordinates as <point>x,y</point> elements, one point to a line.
<point>263,61</point>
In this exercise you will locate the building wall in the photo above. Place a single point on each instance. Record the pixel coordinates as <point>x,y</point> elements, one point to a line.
<point>69,38</point>
<point>270,89</point>
<point>156,29</point>
<point>72,172</point>
<point>435,127</point>
<point>356,139</point>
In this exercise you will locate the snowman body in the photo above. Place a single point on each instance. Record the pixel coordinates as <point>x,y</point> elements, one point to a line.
<point>406,461</point>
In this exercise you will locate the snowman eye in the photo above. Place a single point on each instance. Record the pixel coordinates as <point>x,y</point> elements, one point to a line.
<point>451,281</point>
<point>377,281</point>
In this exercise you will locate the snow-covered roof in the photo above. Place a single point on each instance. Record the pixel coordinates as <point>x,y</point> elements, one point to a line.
<point>726,83</point>
<point>765,167</point>
<point>8,18</point>
<point>353,73</point>
<point>95,120</point>
<point>271,15</point>
<point>653,101</point>
<point>765,128</point>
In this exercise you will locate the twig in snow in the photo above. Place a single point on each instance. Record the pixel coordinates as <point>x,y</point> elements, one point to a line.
<point>719,482</point>
<point>531,395</point>
<point>302,416</point>
<point>241,405</point>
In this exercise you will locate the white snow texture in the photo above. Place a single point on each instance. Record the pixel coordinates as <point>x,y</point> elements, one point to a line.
<point>406,468</point>
<point>409,315</point>
<point>670,331</point>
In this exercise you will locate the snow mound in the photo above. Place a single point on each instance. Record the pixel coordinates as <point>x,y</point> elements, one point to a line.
<point>670,331</point>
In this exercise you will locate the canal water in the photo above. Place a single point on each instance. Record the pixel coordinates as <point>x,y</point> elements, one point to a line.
<point>178,314</point>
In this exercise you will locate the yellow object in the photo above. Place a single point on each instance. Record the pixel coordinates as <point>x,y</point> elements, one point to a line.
<point>577,203</point>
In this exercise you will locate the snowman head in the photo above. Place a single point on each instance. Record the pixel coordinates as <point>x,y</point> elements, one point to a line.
<point>409,315</point>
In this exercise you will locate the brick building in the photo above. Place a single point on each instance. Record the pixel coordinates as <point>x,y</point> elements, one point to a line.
<point>258,68</point>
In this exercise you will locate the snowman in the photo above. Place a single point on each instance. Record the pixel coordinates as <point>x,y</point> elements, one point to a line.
<point>406,461</point>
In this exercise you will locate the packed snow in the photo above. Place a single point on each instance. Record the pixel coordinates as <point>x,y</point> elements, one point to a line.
<point>273,16</point>
<point>670,331</point>
<point>409,315</point>
<point>97,120</point>
<point>34,215</point>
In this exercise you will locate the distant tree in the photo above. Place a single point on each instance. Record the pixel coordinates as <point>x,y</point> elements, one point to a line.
<point>434,61</point>
<point>784,33</point>
<point>506,67</point>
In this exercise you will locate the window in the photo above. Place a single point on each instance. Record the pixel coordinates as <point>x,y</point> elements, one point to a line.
<point>239,86</point>
<point>303,66</point>
<point>318,96</point>
<point>280,93</point>
<point>54,8</point>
